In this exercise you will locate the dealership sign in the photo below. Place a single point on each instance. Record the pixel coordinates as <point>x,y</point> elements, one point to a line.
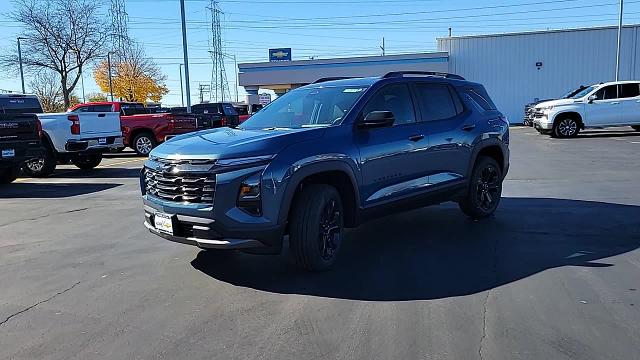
<point>280,55</point>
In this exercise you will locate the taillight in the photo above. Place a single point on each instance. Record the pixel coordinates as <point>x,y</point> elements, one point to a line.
<point>39,128</point>
<point>75,124</point>
<point>223,121</point>
<point>172,124</point>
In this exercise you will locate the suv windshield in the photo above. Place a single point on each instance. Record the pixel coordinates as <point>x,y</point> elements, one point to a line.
<point>581,93</point>
<point>307,107</point>
<point>570,94</point>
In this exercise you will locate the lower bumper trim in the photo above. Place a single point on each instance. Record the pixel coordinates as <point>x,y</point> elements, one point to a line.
<point>206,243</point>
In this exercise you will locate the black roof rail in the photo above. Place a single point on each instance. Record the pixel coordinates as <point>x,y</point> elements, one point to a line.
<point>325,79</point>
<point>427,73</point>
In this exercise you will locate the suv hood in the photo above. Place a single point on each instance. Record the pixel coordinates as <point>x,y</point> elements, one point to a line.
<point>559,102</point>
<point>227,143</point>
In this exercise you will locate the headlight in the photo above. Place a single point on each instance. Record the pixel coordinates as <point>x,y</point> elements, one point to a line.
<point>246,161</point>
<point>546,108</point>
<point>249,198</point>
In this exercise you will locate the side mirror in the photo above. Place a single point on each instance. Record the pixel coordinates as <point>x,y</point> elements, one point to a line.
<point>377,119</point>
<point>592,98</point>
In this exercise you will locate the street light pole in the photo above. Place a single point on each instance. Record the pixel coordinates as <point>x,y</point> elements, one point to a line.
<point>186,55</point>
<point>20,61</point>
<point>181,90</point>
<point>84,100</point>
<point>110,81</point>
<point>235,63</point>
<point>619,38</point>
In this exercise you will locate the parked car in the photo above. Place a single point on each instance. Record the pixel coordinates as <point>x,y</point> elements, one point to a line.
<point>530,109</point>
<point>212,115</point>
<point>141,129</point>
<point>601,105</point>
<point>328,156</point>
<point>20,132</point>
<point>245,111</point>
<point>79,138</point>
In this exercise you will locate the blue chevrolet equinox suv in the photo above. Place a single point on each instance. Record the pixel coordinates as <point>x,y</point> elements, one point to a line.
<point>329,156</point>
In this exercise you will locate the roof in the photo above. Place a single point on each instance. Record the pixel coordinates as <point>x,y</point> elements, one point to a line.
<point>534,32</point>
<point>368,81</point>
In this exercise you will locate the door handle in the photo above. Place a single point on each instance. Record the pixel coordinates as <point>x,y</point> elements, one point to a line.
<point>415,138</point>
<point>468,127</point>
<point>615,103</point>
<point>101,115</point>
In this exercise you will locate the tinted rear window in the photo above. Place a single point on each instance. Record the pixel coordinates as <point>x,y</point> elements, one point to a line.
<point>436,102</point>
<point>629,90</point>
<point>480,96</point>
<point>229,109</point>
<point>20,105</point>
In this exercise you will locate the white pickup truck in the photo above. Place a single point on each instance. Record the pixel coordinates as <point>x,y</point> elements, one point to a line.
<point>79,138</point>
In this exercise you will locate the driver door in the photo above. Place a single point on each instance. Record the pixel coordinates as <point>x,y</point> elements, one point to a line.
<point>606,109</point>
<point>389,156</point>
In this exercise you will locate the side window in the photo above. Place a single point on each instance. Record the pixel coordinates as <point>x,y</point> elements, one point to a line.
<point>435,102</point>
<point>607,93</point>
<point>82,109</point>
<point>629,90</point>
<point>395,98</point>
<point>479,96</point>
<point>101,108</point>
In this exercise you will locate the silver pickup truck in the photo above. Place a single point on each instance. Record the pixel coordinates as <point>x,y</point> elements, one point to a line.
<point>79,138</point>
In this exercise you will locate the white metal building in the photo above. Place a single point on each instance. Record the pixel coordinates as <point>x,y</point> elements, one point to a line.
<point>519,68</point>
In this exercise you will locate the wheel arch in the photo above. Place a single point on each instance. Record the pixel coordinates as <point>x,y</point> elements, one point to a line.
<point>492,148</point>
<point>335,173</point>
<point>565,114</point>
<point>137,131</point>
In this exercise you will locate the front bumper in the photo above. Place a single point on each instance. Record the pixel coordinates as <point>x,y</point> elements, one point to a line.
<point>111,142</point>
<point>542,123</point>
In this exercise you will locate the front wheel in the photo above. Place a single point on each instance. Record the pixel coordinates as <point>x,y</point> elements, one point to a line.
<point>485,189</point>
<point>87,162</point>
<point>566,128</point>
<point>9,175</point>
<point>316,228</point>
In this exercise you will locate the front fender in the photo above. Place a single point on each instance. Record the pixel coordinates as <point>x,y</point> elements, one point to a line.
<point>295,174</point>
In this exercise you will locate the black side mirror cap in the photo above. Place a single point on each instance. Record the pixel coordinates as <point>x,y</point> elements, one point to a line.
<point>376,119</point>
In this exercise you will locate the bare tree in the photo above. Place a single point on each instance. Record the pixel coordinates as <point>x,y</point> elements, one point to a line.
<point>62,36</point>
<point>46,86</point>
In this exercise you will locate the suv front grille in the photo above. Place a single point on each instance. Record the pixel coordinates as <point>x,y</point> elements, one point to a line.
<point>178,186</point>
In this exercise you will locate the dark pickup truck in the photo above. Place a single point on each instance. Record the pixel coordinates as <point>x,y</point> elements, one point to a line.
<point>212,115</point>
<point>20,132</point>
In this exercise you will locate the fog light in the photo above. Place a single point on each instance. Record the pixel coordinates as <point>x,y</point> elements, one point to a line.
<point>249,195</point>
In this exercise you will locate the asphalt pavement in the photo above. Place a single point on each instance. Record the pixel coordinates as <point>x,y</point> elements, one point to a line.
<point>555,274</point>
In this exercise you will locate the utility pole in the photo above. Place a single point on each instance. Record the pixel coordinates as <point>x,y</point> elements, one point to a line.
<point>186,55</point>
<point>20,61</point>
<point>383,47</point>
<point>181,86</point>
<point>110,81</point>
<point>202,89</point>
<point>235,64</point>
<point>619,38</point>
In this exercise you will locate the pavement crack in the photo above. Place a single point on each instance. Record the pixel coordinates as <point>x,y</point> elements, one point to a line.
<point>38,303</point>
<point>494,270</point>
<point>44,216</point>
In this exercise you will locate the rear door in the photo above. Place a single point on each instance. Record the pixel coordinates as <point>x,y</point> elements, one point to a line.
<point>606,109</point>
<point>630,100</point>
<point>449,129</point>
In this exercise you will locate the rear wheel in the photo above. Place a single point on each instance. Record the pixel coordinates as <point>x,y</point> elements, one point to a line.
<point>485,189</point>
<point>87,162</point>
<point>9,175</point>
<point>566,127</point>
<point>143,143</point>
<point>316,228</point>
<point>43,166</point>
<point>636,127</point>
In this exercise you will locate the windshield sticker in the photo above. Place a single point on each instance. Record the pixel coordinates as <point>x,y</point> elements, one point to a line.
<point>356,90</point>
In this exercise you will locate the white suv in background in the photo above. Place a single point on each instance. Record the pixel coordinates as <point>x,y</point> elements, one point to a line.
<point>597,106</point>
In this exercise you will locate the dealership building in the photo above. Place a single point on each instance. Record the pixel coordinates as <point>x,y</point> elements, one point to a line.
<point>516,68</point>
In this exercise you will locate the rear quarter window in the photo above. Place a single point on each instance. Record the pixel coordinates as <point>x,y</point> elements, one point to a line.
<point>480,97</point>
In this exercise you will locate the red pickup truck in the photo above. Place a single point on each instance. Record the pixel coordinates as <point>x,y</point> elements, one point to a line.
<point>142,130</point>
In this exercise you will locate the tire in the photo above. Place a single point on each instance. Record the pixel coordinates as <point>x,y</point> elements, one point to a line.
<point>143,143</point>
<point>566,127</point>
<point>41,167</point>
<point>9,175</point>
<point>87,162</point>
<point>316,227</point>
<point>485,189</point>
<point>636,127</point>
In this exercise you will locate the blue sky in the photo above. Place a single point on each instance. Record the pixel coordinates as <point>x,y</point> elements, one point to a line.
<point>326,28</point>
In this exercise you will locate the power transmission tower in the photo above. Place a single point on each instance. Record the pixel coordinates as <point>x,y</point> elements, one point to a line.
<point>119,28</point>
<point>204,89</point>
<point>219,84</point>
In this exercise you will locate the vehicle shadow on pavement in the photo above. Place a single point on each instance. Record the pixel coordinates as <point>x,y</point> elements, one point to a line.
<point>50,190</point>
<point>435,253</point>
<point>99,173</point>
<point>607,134</point>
